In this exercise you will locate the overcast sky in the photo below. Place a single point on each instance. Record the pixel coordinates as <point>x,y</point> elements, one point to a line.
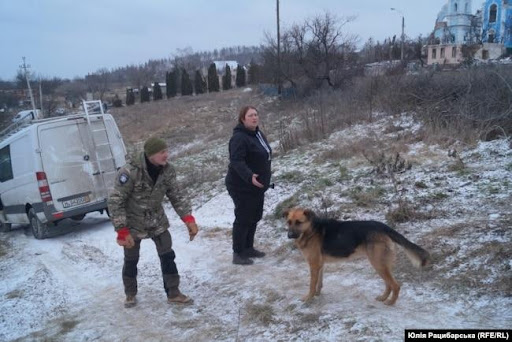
<point>68,38</point>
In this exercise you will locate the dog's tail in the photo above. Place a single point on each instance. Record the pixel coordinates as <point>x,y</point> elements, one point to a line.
<point>418,256</point>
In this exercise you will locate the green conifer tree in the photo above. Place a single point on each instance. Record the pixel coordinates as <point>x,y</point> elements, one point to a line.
<point>172,87</point>
<point>199,82</point>
<point>186,84</point>
<point>213,78</point>
<point>240,76</point>
<point>226,80</point>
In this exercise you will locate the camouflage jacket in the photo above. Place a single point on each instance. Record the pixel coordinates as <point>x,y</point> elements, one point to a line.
<point>135,202</point>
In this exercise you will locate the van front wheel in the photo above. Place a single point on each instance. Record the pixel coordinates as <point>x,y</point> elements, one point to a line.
<point>5,227</point>
<point>39,228</point>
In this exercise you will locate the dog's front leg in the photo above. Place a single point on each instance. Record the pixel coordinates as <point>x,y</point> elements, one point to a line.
<point>320,281</point>
<point>314,270</point>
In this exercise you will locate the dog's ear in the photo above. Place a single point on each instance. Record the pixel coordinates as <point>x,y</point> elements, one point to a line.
<point>286,212</point>
<point>309,213</point>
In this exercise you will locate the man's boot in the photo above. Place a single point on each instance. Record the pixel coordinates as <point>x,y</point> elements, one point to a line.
<point>178,298</point>
<point>240,259</point>
<point>130,301</point>
<point>174,296</point>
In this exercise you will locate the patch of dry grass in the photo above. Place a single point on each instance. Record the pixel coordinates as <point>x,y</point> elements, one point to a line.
<point>14,294</point>
<point>262,313</point>
<point>290,202</point>
<point>183,119</point>
<point>216,233</point>
<point>405,212</point>
<point>461,264</point>
<point>366,197</point>
<point>4,248</point>
<point>68,326</point>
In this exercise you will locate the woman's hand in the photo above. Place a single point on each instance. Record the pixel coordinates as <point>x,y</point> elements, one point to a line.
<point>255,181</point>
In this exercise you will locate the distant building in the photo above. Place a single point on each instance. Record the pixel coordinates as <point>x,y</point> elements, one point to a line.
<point>444,54</point>
<point>456,27</point>
<point>455,23</point>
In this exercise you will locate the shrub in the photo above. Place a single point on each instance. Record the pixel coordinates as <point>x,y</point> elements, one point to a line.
<point>403,213</point>
<point>144,94</point>
<point>157,92</point>
<point>130,97</point>
<point>290,202</point>
<point>117,102</point>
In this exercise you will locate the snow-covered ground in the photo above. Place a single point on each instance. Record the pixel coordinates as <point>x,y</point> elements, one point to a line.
<point>69,288</point>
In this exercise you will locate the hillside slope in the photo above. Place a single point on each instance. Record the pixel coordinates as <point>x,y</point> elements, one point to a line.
<point>452,200</point>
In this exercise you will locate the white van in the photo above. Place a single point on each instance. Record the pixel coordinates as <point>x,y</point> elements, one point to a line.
<point>27,115</point>
<point>58,168</point>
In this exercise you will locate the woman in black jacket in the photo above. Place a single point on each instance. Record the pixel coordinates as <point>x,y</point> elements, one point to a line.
<point>247,180</point>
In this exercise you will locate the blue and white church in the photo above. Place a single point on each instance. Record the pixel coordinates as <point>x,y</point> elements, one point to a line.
<point>497,22</point>
<point>457,27</point>
<point>455,23</point>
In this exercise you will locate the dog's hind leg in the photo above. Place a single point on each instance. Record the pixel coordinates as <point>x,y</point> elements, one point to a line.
<point>320,282</point>
<point>395,287</point>
<point>392,287</point>
<point>385,295</point>
<point>382,255</point>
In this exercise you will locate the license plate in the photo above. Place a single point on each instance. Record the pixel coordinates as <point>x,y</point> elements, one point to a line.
<point>76,201</point>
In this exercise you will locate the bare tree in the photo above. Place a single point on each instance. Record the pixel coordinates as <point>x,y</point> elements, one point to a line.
<point>329,45</point>
<point>98,82</point>
<point>138,75</point>
<point>73,91</point>
<point>318,50</point>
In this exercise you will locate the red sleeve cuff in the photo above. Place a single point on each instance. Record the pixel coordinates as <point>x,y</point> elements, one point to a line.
<point>123,233</point>
<point>188,219</point>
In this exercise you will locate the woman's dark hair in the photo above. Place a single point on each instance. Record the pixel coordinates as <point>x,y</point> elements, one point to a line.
<point>244,111</point>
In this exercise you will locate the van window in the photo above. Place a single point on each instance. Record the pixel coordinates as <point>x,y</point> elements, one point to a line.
<point>5,164</point>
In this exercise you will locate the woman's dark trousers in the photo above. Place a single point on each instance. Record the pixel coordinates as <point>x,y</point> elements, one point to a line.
<point>248,211</point>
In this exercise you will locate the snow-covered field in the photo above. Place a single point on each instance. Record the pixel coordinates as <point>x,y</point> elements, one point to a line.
<point>69,288</point>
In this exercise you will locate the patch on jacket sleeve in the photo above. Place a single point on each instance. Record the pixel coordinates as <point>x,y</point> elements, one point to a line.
<point>123,178</point>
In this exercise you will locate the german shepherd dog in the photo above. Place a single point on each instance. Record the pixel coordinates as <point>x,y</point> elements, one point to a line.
<point>323,240</point>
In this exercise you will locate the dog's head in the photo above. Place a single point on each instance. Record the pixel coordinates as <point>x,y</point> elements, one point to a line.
<point>298,221</point>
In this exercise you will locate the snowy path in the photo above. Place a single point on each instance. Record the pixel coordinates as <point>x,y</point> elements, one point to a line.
<point>69,288</point>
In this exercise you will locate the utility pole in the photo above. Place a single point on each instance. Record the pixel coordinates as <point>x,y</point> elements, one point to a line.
<point>278,52</point>
<point>403,38</point>
<point>403,34</point>
<point>25,68</point>
<point>41,96</point>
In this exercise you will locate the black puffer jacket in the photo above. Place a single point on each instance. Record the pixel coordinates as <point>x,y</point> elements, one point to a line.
<point>248,155</point>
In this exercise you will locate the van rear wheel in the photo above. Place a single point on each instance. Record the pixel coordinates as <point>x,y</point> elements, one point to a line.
<point>78,217</point>
<point>39,229</point>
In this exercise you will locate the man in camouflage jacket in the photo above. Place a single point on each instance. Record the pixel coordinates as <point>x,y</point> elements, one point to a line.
<point>135,206</point>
